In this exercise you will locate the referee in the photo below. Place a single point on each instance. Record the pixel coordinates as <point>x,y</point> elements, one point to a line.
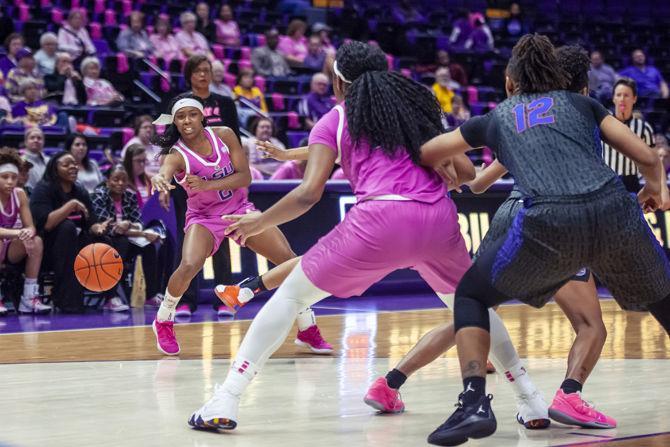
<point>625,96</point>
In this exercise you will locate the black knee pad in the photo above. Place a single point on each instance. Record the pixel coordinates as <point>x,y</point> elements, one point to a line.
<point>474,296</point>
<point>470,312</point>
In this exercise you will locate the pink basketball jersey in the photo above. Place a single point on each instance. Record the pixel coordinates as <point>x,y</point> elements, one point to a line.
<point>217,166</point>
<point>9,217</point>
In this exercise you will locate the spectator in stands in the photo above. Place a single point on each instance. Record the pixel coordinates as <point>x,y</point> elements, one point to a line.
<point>316,55</point>
<point>322,31</point>
<point>5,108</point>
<point>290,170</point>
<point>266,60</point>
<point>204,25</point>
<point>650,82</point>
<point>456,70</point>
<point>135,162</point>
<point>65,83</point>
<point>73,37</point>
<point>515,25</point>
<point>64,216</point>
<point>294,45</point>
<point>25,70</point>
<point>99,92</point>
<point>663,150</point>
<point>190,41</point>
<point>318,102</point>
<point>18,236</point>
<point>227,31</point>
<point>13,44</point>
<point>601,77</point>
<point>461,30</point>
<point>134,40</point>
<point>262,129</point>
<point>405,12</point>
<point>113,201</point>
<point>34,142</point>
<point>144,132</point>
<point>459,112</point>
<point>165,44</point>
<point>33,110</point>
<point>481,37</point>
<point>246,89</point>
<point>46,55</point>
<point>89,175</point>
<point>443,88</point>
<point>218,85</point>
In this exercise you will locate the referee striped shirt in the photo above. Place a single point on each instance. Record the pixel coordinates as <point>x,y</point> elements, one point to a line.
<point>621,164</point>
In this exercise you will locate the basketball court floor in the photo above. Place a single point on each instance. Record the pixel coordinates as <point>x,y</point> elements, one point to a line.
<point>65,385</point>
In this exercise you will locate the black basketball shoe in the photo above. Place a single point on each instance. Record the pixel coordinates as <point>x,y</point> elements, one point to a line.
<point>475,420</point>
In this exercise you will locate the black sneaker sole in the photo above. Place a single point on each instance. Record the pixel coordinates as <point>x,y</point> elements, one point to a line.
<point>476,430</point>
<point>215,425</point>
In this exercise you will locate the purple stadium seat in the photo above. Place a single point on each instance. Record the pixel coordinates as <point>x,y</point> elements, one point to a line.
<point>57,16</point>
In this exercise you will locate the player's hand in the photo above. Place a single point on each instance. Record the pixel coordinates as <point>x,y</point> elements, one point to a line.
<point>160,184</point>
<point>271,151</point>
<point>77,206</point>
<point>26,233</point>
<point>197,183</point>
<point>122,227</point>
<point>447,171</point>
<point>100,228</point>
<point>151,237</point>
<point>650,198</point>
<point>244,226</point>
<point>164,200</point>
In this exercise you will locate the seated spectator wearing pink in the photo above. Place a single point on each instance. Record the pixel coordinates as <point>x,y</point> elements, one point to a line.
<point>46,55</point>
<point>267,60</point>
<point>290,170</point>
<point>322,31</point>
<point>481,37</point>
<point>13,44</point>
<point>650,82</point>
<point>114,202</point>
<point>190,41</point>
<point>134,40</point>
<point>65,84</point>
<point>25,70</point>
<point>99,92</point>
<point>294,45</point>
<point>89,175</point>
<point>134,162</point>
<point>73,37</point>
<point>64,216</point>
<point>318,102</point>
<point>316,55</point>
<point>205,26</point>
<point>144,132</point>
<point>227,31</point>
<point>32,110</point>
<point>218,85</point>
<point>245,88</point>
<point>165,44</point>
<point>263,130</point>
<point>18,236</point>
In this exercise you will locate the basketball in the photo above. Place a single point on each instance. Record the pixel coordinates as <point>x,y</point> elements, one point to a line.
<point>98,267</point>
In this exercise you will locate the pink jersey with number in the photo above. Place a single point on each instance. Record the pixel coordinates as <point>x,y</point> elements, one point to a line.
<point>214,167</point>
<point>9,214</point>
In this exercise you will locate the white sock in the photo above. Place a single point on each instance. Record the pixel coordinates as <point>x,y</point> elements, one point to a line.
<point>505,358</point>
<point>30,289</point>
<point>270,327</point>
<point>306,319</point>
<point>166,311</point>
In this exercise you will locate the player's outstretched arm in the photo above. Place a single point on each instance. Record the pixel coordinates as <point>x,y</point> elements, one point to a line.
<point>491,174</point>
<point>435,151</point>
<point>271,151</point>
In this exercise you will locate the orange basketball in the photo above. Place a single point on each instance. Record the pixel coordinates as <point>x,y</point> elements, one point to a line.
<point>98,267</point>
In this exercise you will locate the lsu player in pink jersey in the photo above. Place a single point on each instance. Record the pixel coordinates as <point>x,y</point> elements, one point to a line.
<point>213,169</point>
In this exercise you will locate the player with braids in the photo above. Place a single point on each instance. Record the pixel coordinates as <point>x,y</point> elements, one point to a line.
<point>575,213</point>
<point>394,193</point>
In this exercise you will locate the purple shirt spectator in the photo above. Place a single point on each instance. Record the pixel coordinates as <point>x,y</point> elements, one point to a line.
<point>39,113</point>
<point>318,102</point>
<point>461,31</point>
<point>649,80</point>
<point>316,55</point>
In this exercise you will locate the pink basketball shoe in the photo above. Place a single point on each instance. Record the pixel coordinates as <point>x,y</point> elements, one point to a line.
<point>311,338</point>
<point>382,397</point>
<point>571,409</point>
<point>166,340</point>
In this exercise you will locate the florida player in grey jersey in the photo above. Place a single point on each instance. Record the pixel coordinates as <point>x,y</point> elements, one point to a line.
<point>576,213</point>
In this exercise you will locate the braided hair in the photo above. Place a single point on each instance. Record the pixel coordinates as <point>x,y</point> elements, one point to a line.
<point>574,60</point>
<point>389,110</point>
<point>534,66</point>
<point>171,135</point>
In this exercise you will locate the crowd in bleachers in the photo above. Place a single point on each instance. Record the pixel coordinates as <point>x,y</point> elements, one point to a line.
<point>80,81</point>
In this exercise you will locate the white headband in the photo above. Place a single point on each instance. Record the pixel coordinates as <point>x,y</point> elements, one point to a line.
<point>168,118</point>
<point>339,73</point>
<point>9,167</point>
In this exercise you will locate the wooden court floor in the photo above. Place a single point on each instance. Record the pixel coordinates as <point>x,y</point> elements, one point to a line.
<point>110,386</point>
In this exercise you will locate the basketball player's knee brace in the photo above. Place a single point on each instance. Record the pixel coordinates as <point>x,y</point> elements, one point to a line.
<point>474,296</point>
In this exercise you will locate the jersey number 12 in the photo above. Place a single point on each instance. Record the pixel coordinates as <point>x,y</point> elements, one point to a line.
<point>533,114</point>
